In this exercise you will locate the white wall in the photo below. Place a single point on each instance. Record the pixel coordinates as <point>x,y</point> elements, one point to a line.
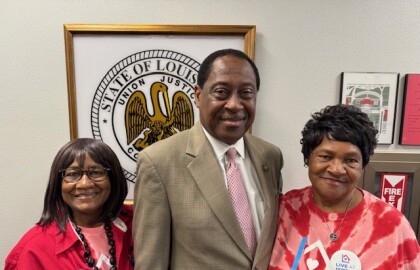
<point>302,47</point>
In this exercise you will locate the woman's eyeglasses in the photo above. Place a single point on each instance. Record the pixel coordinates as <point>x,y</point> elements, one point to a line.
<point>95,174</point>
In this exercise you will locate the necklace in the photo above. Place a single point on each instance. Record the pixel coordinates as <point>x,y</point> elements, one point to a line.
<point>334,234</point>
<point>91,261</point>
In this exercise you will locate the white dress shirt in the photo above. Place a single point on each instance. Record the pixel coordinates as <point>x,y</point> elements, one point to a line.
<point>248,174</point>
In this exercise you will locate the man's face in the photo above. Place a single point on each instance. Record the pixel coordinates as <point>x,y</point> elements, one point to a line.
<point>228,98</point>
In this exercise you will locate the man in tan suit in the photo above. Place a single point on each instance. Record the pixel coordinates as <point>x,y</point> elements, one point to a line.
<point>184,217</point>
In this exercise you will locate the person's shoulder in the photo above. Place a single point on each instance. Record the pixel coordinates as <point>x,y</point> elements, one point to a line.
<point>294,199</point>
<point>390,214</point>
<point>255,139</point>
<point>263,147</point>
<point>33,233</point>
<point>386,207</point>
<point>126,212</point>
<point>124,223</point>
<point>167,143</point>
<point>296,193</point>
<point>34,238</point>
<point>375,204</point>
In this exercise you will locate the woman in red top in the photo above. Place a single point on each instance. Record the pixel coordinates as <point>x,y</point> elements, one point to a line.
<point>332,223</point>
<point>84,224</point>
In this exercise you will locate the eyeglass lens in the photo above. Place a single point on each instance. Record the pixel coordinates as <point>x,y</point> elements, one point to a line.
<point>75,174</point>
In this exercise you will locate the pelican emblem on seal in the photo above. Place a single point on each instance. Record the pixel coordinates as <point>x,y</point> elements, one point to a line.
<point>144,129</point>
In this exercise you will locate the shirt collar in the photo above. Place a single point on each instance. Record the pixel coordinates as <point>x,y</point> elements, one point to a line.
<point>64,240</point>
<point>220,147</point>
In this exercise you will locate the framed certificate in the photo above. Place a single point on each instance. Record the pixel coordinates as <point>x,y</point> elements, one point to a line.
<point>376,95</point>
<point>410,120</point>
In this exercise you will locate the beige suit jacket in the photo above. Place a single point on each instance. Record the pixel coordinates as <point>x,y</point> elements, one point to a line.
<point>183,216</point>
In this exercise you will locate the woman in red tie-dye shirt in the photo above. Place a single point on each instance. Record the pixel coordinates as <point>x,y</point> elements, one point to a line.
<point>333,224</point>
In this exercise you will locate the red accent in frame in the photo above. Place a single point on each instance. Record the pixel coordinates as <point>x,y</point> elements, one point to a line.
<point>393,189</point>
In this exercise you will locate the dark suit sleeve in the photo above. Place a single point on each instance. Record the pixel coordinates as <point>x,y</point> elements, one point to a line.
<point>152,221</point>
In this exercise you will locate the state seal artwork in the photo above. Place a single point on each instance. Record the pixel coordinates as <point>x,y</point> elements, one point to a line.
<point>144,98</point>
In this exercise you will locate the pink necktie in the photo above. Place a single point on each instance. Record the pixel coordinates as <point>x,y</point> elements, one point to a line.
<point>239,199</point>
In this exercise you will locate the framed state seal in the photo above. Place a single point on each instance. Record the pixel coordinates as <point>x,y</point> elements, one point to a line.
<point>132,85</point>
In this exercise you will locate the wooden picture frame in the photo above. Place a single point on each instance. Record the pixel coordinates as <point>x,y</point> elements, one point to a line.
<point>113,69</point>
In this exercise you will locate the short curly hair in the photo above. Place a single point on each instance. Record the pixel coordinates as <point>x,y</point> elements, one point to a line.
<point>345,123</point>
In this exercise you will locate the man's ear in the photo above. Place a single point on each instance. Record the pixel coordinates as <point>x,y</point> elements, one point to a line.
<point>197,93</point>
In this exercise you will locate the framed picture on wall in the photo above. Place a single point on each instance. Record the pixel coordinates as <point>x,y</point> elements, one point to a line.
<point>132,85</point>
<point>395,178</point>
<point>376,95</point>
<point>410,116</point>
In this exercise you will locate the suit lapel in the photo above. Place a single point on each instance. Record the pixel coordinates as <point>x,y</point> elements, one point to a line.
<point>264,172</point>
<point>262,169</point>
<point>207,173</point>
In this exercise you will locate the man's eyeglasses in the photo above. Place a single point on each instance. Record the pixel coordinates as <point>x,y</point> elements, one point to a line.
<point>72,175</point>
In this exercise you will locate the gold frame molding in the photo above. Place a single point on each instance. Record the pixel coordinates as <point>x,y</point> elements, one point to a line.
<point>247,31</point>
<point>397,163</point>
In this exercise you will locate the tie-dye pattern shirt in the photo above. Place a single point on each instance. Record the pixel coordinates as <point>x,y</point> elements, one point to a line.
<point>374,231</point>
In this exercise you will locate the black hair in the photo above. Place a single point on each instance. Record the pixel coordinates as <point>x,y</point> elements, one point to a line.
<point>55,209</point>
<point>206,66</point>
<point>340,122</point>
